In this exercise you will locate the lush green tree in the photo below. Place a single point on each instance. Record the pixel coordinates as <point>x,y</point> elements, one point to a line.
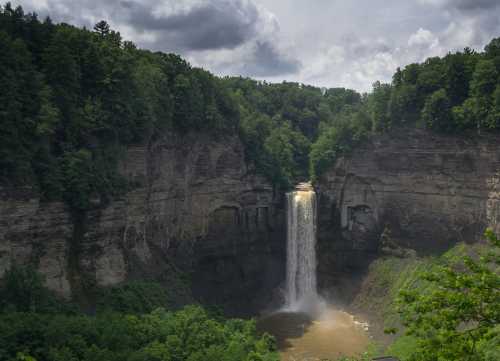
<point>132,298</point>
<point>338,139</point>
<point>129,326</point>
<point>76,98</point>
<point>19,107</point>
<point>338,98</point>
<point>492,51</point>
<point>436,113</point>
<point>461,312</point>
<point>102,28</point>
<point>24,290</point>
<point>484,79</point>
<point>493,120</point>
<point>465,116</point>
<point>288,150</point>
<point>279,121</point>
<point>457,77</point>
<point>430,77</point>
<point>185,335</point>
<point>403,108</point>
<point>378,104</point>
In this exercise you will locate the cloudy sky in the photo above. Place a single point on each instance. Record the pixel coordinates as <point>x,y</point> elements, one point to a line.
<point>331,43</point>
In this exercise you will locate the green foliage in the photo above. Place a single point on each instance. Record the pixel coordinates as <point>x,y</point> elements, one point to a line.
<point>436,113</point>
<point>23,290</point>
<point>372,350</point>
<point>453,318</point>
<point>338,139</point>
<point>133,298</point>
<point>377,105</point>
<point>404,347</point>
<point>186,335</point>
<point>72,99</point>
<point>288,149</point>
<point>466,116</point>
<point>388,275</point>
<point>450,94</point>
<point>130,325</point>
<point>484,79</point>
<point>280,121</point>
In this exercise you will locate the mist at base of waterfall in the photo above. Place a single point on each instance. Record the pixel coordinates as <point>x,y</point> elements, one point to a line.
<point>312,305</point>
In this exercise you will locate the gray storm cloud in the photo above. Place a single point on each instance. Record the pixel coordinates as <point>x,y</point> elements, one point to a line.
<point>267,61</point>
<point>209,25</point>
<point>467,5</point>
<point>188,27</point>
<point>464,5</point>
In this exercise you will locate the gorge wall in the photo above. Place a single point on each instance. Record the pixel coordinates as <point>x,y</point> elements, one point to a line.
<point>406,190</point>
<point>201,223</point>
<point>195,215</point>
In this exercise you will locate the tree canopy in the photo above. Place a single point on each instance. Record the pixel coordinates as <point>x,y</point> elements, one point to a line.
<point>73,99</point>
<point>131,324</point>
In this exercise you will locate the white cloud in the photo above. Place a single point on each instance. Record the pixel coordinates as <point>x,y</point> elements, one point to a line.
<point>423,38</point>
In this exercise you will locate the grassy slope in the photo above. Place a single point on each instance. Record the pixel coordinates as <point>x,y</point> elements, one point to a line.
<point>385,278</point>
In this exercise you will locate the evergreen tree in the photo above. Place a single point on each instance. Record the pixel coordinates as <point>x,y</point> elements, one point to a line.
<point>102,28</point>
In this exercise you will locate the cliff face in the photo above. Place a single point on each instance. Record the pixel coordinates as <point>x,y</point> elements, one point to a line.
<point>200,223</point>
<point>194,214</point>
<point>407,190</point>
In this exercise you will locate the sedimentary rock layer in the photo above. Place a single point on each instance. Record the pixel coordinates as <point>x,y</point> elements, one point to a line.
<point>407,190</point>
<point>194,210</point>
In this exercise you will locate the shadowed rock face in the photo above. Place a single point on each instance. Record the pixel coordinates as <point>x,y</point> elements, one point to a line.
<point>195,213</point>
<point>422,191</point>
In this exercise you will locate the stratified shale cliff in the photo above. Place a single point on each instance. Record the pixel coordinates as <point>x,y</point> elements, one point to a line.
<point>406,190</point>
<point>195,213</point>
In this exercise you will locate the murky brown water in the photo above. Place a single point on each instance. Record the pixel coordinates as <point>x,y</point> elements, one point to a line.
<point>335,333</point>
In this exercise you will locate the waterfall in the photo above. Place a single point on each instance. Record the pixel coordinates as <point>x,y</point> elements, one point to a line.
<point>301,293</point>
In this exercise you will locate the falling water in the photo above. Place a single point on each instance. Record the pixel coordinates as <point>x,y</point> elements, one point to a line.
<point>301,294</point>
<point>307,328</point>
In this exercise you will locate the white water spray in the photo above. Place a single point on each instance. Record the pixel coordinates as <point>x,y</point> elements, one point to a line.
<point>301,292</point>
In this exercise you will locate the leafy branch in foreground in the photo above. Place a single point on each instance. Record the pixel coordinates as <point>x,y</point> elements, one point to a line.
<point>458,315</point>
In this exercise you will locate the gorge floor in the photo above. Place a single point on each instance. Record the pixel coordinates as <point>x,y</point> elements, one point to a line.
<point>331,335</point>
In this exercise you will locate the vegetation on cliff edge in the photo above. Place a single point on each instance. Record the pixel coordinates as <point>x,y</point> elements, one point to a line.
<point>72,100</point>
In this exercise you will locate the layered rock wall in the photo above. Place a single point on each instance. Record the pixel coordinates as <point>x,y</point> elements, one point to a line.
<point>194,211</point>
<point>407,190</point>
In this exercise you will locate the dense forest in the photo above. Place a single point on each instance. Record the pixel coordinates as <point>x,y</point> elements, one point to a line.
<point>72,99</point>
